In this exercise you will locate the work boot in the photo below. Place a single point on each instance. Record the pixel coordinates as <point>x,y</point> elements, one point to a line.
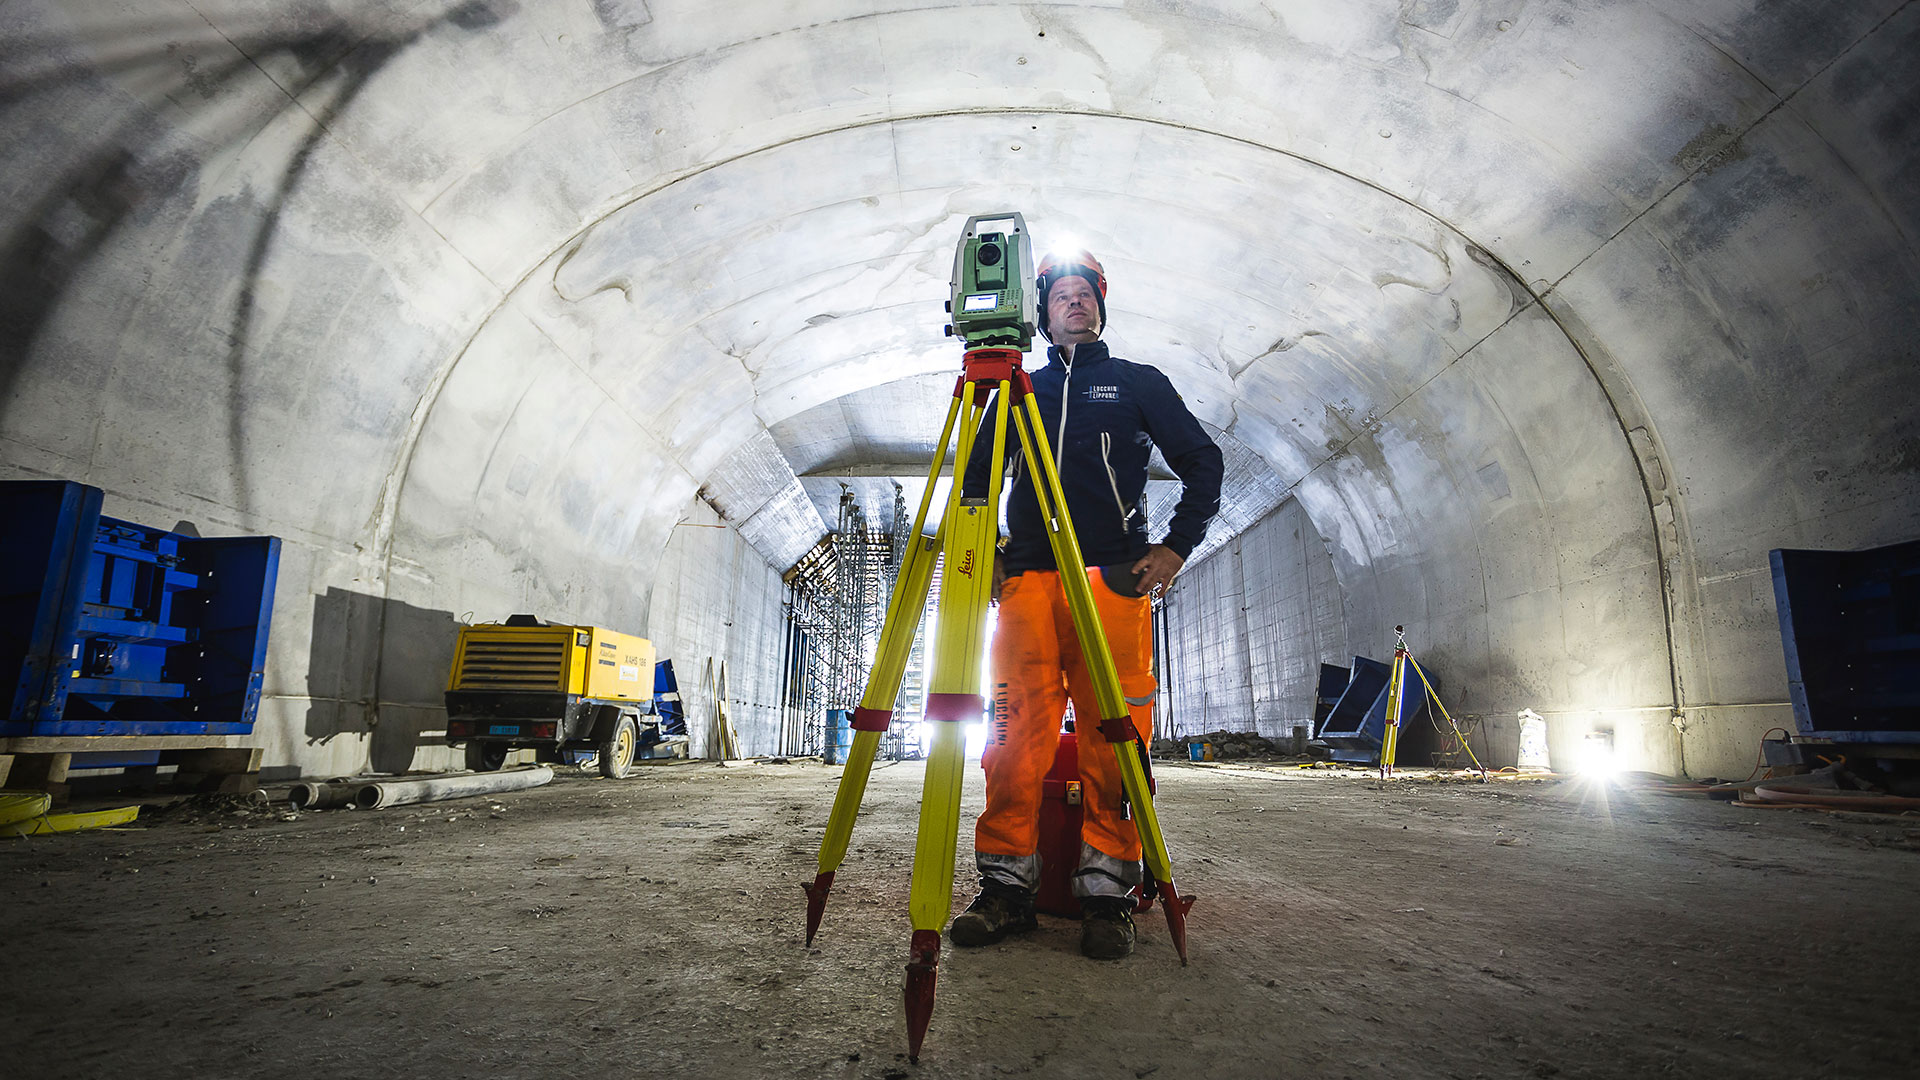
<point>1106,927</point>
<point>999,910</point>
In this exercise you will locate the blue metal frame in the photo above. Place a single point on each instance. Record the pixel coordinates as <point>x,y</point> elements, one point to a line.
<point>1333,682</point>
<point>666,699</point>
<point>1345,728</point>
<point>1357,726</point>
<point>115,628</point>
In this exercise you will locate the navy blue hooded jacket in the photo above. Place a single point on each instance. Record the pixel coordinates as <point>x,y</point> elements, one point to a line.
<point>1116,410</point>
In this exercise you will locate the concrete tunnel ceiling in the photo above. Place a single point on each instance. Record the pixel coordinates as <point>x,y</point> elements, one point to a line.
<point>470,302</point>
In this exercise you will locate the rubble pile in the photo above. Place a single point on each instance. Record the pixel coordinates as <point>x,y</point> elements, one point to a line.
<point>210,807</point>
<point>1227,746</point>
<point>1233,745</point>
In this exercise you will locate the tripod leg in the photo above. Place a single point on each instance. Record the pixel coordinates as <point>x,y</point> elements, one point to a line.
<point>871,720</point>
<point>1457,733</point>
<point>1390,738</point>
<point>1116,721</point>
<point>966,585</point>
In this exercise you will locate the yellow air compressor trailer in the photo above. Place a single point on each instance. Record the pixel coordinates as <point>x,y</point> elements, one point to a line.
<point>526,683</point>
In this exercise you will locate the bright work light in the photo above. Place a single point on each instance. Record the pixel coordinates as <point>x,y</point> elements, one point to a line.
<point>1596,756</point>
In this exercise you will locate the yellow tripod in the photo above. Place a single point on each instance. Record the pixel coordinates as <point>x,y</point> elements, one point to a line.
<point>966,538</point>
<point>1396,681</point>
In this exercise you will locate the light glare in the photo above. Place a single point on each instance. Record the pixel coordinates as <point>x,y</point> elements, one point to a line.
<point>1596,756</point>
<point>1065,246</point>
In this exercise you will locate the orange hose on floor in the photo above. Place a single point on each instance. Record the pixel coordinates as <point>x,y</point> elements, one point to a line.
<point>1832,798</point>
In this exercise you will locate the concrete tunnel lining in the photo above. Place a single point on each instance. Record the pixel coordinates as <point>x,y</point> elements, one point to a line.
<point>624,262</point>
<point>1611,193</point>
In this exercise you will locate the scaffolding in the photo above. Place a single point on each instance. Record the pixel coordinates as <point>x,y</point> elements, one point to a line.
<point>836,600</point>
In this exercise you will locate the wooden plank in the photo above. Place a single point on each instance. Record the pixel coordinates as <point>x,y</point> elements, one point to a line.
<point>33,772</point>
<point>42,772</point>
<point>52,744</point>
<point>222,761</point>
<point>206,763</point>
<point>234,770</point>
<point>237,783</point>
<point>228,783</point>
<point>6,766</point>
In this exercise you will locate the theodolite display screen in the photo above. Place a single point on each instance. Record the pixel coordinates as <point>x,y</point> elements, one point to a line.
<point>981,302</point>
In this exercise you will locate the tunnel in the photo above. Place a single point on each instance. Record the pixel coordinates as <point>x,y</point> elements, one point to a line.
<point>1530,327</point>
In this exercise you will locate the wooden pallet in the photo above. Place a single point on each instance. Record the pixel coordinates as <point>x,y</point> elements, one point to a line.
<point>41,763</point>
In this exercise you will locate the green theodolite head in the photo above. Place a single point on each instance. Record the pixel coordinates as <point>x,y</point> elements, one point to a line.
<point>993,301</point>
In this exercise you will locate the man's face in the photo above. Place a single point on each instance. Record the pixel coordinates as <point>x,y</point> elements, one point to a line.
<point>1073,311</point>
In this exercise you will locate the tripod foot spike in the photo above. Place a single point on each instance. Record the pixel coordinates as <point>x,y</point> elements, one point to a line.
<point>922,971</point>
<point>817,901</point>
<point>1176,907</point>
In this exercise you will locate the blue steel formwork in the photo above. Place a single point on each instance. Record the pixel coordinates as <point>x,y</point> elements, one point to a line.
<point>1333,682</point>
<point>666,700</point>
<point>113,628</point>
<point>1356,727</point>
<point>1850,625</point>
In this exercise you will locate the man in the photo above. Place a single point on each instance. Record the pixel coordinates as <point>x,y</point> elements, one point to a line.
<point>1102,416</point>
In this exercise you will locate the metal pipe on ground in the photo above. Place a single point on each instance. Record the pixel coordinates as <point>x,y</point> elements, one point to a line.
<point>331,795</point>
<point>380,795</point>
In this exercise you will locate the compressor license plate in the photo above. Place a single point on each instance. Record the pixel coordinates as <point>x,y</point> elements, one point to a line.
<point>504,729</point>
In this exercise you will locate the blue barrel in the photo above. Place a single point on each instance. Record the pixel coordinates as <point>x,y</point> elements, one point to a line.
<point>839,736</point>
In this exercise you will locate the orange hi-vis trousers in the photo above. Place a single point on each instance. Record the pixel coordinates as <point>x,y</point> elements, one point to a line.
<point>1037,667</point>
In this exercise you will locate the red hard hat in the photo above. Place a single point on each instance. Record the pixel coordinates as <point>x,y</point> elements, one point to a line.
<point>1053,267</point>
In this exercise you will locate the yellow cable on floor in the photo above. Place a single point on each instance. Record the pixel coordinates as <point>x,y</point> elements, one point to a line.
<point>58,823</point>
<point>21,805</point>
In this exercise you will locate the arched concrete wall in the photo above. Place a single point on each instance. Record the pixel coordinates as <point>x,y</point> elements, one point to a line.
<point>1554,318</point>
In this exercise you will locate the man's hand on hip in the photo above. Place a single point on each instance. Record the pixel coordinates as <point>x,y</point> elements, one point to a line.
<point>1156,571</point>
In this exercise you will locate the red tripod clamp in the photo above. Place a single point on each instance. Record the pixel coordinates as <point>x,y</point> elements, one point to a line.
<point>993,365</point>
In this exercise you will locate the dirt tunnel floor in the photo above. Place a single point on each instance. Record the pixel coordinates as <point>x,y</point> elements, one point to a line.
<point>654,927</point>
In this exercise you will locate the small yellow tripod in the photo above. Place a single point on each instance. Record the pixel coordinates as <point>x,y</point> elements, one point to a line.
<point>966,539</point>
